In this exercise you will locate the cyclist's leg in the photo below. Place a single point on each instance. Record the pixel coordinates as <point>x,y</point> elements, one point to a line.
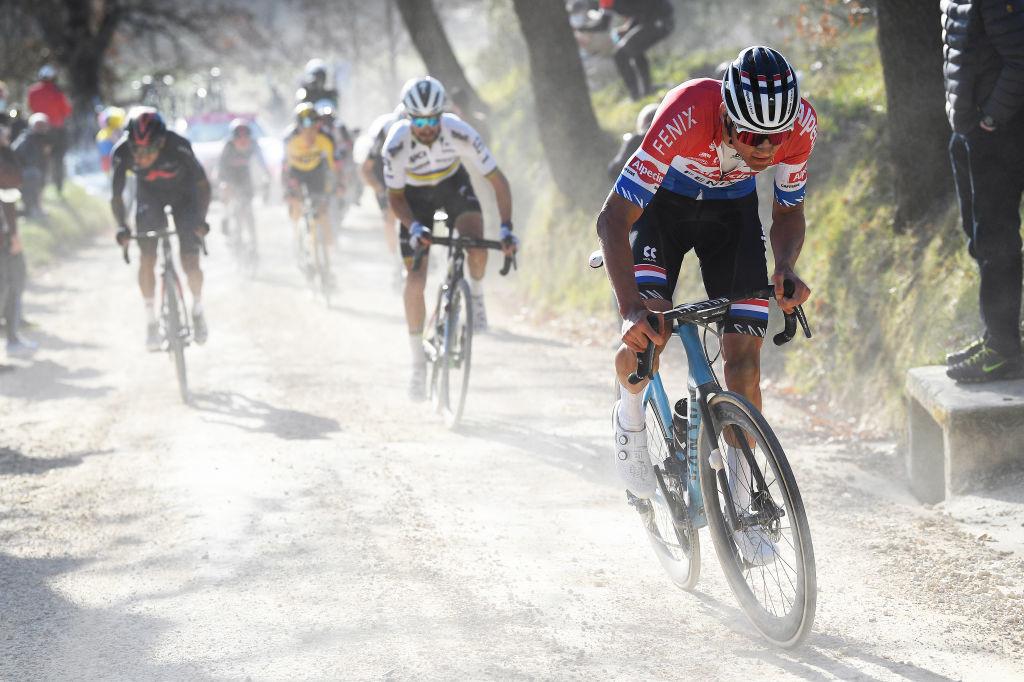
<point>187,219</point>
<point>423,203</point>
<point>149,215</point>
<point>464,214</point>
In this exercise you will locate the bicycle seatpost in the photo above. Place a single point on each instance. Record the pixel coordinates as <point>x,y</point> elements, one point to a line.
<point>645,360</point>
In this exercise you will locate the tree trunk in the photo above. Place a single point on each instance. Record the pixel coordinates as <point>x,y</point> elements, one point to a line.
<point>427,33</point>
<point>577,149</point>
<point>910,43</point>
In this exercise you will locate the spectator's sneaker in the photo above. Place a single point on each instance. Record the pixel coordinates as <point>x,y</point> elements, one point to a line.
<point>154,341</point>
<point>199,330</point>
<point>632,461</point>
<point>986,365</point>
<point>479,315</point>
<point>965,353</point>
<point>754,545</point>
<point>418,384</point>
<point>18,347</point>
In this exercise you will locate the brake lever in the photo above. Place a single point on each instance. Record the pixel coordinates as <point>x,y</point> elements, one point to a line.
<point>645,360</point>
<point>510,264</point>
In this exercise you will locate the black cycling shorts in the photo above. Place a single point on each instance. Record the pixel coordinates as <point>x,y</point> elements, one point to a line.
<point>453,194</point>
<point>315,180</point>
<point>149,215</point>
<point>730,245</point>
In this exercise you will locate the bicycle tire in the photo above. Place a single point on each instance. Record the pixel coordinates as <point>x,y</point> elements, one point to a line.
<point>789,629</point>
<point>432,349</point>
<point>457,353</point>
<point>679,554</point>
<point>175,334</point>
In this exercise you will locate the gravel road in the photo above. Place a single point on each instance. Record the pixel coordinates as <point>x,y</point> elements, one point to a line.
<point>304,520</point>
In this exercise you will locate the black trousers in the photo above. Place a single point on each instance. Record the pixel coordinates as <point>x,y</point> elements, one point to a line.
<point>989,184</point>
<point>630,58</point>
<point>59,140</point>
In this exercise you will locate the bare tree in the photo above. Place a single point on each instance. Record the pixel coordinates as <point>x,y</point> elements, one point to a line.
<point>577,149</point>
<point>910,43</point>
<point>428,35</point>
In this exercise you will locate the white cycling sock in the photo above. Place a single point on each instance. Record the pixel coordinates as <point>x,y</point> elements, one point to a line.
<point>476,286</point>
<point>150,310</point>
<point>631,409</point>
<point>197,306</point>
<point>416,347</point>
<point>738,469</point>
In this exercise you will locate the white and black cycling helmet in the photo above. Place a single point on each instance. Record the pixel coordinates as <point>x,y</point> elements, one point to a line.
<point>760,91</point>
<point>423,97</point>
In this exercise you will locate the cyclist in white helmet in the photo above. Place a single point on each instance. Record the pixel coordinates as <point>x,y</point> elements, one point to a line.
<point>423,170</point>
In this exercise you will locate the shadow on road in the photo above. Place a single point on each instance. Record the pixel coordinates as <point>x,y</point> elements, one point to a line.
<point>257,416</point>
<point>49,380</point>
<point>15,463</point>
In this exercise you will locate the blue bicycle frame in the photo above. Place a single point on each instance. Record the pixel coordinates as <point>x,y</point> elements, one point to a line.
<point>700,376</point>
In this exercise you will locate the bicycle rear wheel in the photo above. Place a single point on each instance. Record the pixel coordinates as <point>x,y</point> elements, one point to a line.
<point>176,327</point>
<point>453,379</point>
<point>778,594</point>
<point>666,515</point>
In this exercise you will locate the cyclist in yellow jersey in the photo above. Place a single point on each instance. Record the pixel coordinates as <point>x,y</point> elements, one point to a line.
<point>308,161</point>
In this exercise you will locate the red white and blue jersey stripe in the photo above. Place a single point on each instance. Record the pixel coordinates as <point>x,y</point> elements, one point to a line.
<point>683,150</point>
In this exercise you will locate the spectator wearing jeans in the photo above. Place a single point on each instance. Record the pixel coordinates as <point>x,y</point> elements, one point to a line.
<point>45,97</point>
<point>984,71</point>
<point>33,150</point>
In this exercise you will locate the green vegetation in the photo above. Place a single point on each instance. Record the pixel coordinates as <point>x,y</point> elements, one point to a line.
<point>71,220</point>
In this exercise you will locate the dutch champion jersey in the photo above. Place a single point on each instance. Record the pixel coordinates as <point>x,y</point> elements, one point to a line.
<point>410,162</point>
<point>683,152</point>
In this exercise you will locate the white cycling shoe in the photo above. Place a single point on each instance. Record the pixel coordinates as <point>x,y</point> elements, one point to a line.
<point>755,547</point>
<point>632,460</point>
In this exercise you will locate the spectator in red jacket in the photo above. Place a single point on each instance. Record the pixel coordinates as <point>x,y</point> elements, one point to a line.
<point>46,98</point>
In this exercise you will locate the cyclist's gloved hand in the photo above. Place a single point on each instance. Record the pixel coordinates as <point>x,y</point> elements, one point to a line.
<point>508,240</point>
<point>202,230</point>
<point>124,235</point>
<point>419,235</point>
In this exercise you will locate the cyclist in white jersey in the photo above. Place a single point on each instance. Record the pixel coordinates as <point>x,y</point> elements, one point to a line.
<point>423,170</point>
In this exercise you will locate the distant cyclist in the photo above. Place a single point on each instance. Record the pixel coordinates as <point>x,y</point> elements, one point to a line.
<point>423,170</point>
<point>690,186</point>
<point>308,165</point>
<point>234,168</point>
<point>314,84</point>
<point>168,174</point>
<point>372,171</point>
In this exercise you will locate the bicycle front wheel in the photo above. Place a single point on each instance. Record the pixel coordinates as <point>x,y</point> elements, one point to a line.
<point>176,330</point>
<point>666,515</point>
<point>456,353</point>
<point>764,542</point>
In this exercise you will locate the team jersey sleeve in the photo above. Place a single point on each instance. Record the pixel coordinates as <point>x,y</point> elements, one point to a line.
<point>791,172</point>
<point>394,156</point>
<point>470,145</point>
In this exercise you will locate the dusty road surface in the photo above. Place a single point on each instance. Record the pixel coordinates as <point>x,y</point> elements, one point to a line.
<point>304,520</point>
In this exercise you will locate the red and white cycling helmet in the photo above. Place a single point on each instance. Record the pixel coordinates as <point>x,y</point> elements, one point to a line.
<point>146,127</point>
<point>760,91</point>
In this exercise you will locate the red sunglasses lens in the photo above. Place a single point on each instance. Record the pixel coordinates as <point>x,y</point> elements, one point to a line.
<point>755,139</point>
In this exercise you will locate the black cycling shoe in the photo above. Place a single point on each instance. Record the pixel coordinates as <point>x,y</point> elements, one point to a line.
<point>956,357</point>
<point>986,365</point>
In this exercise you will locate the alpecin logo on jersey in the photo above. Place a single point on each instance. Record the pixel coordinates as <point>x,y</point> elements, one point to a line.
<point>797,176</point>
<point>647,171</point>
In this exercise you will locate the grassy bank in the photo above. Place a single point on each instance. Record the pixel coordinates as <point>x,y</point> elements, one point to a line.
<point>883,302</point>
<point>71,220</point>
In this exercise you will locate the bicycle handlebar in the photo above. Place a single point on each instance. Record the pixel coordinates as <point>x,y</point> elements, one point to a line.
<point>465,243</point>
<point>157,234</point>
<point>645,359</point>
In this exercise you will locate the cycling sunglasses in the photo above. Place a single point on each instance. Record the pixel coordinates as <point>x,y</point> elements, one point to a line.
<point>752,139</point>
<point>147,150</point>
<point>424,121</point>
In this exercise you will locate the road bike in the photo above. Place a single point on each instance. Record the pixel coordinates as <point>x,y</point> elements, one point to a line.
<point>312,249</point>
<point>697,486</point>
<point>239,224</point>
<point>175,327</point>
<point>448,339</point>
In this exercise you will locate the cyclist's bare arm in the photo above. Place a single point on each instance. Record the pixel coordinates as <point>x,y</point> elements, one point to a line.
<point>502,194</point>
<point>787,234</point>
<point>613,226</point>
<point>400,207</point>
<point>366,171</point>
<point>116,198</point>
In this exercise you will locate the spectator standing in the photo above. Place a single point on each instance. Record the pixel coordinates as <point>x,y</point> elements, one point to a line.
<point>647,22</point>
<point>11,120</point>
<point>45,97</point>
<point>111,121</point>
<point>984,72</point>
<point>12,257</point>
<point>33,149</point>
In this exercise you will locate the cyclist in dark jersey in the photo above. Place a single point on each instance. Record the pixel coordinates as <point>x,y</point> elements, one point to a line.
<point>234,169</point>
<point>648,22</point>
<point>168,174</point>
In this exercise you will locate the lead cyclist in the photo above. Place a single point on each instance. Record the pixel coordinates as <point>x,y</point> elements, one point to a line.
<point>691,186</point>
